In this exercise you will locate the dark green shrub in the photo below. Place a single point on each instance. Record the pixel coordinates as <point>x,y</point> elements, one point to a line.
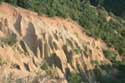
<point>2,62</point>
<point>95,62</point>
<point>44,66</point>
<point>10,39</point>
<point>109,54</point>
<point>122,51</point>
<point>74,78</point>
<point>77,50</point>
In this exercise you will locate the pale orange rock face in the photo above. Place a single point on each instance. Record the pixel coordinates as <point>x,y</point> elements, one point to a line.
<point>62,43</point>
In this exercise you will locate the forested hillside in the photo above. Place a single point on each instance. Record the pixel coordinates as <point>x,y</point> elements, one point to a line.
<point>115,6</point>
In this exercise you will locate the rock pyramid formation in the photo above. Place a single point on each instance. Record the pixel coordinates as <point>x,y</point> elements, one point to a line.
<point>41,49</point>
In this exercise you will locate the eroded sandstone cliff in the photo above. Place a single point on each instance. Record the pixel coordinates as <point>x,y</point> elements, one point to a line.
<point>45,48</point>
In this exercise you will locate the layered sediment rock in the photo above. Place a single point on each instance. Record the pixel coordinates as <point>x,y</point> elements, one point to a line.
<point>46,47</point>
